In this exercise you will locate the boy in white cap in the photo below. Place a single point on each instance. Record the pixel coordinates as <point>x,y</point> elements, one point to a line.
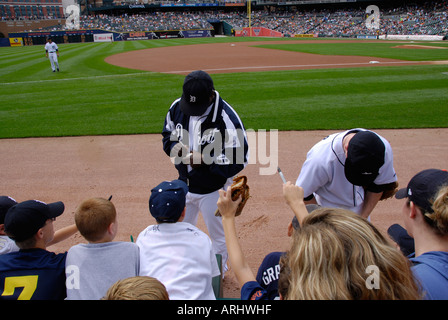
<point>176,253</point>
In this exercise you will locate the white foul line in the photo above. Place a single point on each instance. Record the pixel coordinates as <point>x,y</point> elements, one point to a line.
<point>303,65</point>
<point>81,78</point>
<point>225,69</point>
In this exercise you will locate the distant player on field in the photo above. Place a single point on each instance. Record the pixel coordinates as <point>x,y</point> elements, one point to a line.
<point>52,53</point>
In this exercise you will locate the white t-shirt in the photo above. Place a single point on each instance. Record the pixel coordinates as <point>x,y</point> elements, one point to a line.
<point>323,174</point>
<point>7,245</point>
<point>181,257</point>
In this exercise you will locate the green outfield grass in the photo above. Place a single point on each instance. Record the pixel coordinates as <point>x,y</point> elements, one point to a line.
<point>91,97</point>
<point>391,50</point>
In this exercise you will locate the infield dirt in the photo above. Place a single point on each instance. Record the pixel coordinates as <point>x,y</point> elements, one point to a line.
<point>240,57</point>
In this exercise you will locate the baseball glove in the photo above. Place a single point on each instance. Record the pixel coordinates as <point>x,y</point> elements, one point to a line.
<point>238,188</point>
<point>389,191</point>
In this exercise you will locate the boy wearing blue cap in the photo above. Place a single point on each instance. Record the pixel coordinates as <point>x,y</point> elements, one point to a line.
<point>8,245</point>
<point>176,253</point>
<point>33,272</point>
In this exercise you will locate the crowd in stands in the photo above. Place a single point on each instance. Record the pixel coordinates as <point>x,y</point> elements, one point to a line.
<point>147,22</point>
<point>25,18</point>
<point>420,20</point>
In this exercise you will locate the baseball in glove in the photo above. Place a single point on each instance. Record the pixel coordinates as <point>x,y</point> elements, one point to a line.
<point>238,188</point>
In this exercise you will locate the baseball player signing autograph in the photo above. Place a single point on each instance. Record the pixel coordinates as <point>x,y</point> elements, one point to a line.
<point>351,170</point>
<point>52,53</point>
<point>207,141</point>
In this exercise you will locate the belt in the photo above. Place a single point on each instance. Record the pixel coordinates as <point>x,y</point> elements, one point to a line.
<point>52,52</point>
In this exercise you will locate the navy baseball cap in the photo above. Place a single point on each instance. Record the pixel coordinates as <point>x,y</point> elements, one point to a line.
<point>197,90</point>
<point>423,187</point>
<point>365,156</point>
<point>24,219</point>
<point>5,204</point>
<point>167,200</point>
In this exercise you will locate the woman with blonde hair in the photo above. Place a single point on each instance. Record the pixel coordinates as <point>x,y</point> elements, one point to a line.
<point>425,215</point>
<point>335,254</point>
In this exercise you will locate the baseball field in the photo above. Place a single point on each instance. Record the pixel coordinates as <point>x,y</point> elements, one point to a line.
<point>92,97</point>
<point>93,129</point>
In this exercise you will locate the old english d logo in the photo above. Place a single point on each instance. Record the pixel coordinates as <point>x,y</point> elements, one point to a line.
<point>208,136</point>
<point>179,131</point>
<point>192,99</point>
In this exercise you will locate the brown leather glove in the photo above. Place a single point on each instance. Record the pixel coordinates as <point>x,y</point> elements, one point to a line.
<point>238,188</point>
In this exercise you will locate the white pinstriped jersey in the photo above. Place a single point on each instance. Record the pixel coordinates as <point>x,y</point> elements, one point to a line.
<point>51,47</point>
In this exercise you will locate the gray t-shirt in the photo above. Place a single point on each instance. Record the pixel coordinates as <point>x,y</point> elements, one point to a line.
<point>92,268</point>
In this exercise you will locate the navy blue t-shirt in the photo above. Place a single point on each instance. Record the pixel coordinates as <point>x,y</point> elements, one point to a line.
<point>34,274</point>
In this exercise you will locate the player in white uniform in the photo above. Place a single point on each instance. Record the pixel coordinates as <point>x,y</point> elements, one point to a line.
<point>349,170</point>
<point>52,53</point>
<point>175,252</point>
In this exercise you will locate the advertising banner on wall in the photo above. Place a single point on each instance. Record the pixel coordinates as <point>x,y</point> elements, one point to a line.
<point>411,37</point>
<point>257,32</point>
<point>103,37</point>
<point>148,35</point>
<point>98,35</point>
<point>16,42</point>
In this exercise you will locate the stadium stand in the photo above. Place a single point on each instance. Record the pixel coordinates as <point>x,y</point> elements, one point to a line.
<point>428,18</point>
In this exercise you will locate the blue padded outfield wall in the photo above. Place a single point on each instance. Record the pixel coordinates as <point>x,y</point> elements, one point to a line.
<point>33,38</point>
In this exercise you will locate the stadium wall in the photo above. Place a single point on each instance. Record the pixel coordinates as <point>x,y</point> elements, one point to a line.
<point>257,32</point>
<point>35,38</point>
<point>10,26</point>
<point>412,37</point>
